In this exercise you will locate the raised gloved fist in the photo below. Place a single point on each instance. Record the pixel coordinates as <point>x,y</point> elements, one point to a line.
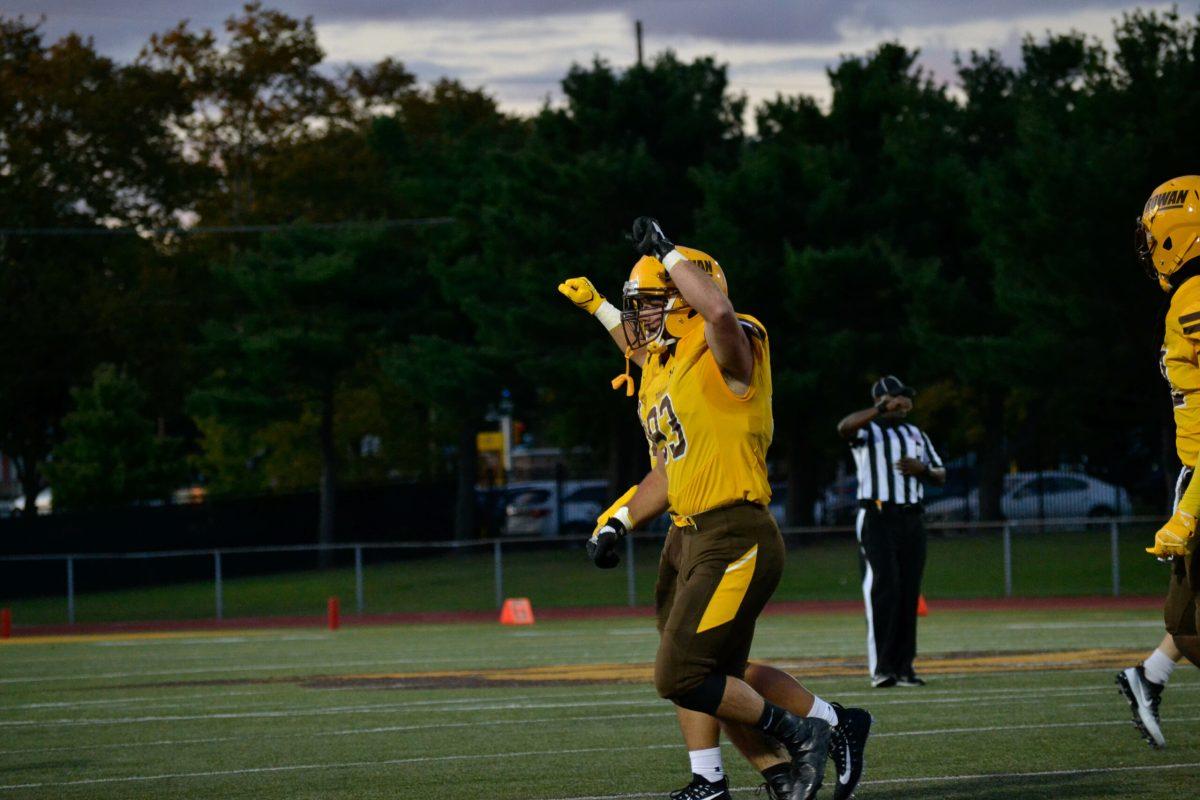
<point>1176,538</point>
<point>581,292</point>
<point>649,239</point>
<point>602,547</point>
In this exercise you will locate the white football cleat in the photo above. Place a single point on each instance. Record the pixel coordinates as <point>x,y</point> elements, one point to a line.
<point>1143,697</point>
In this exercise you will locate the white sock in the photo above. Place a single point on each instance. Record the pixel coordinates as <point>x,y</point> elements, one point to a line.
<point>1159,667</point>
<point>707,764</point>
<point>822,710</point>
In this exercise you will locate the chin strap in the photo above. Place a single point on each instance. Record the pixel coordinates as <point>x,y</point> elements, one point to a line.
<point>626,378</point>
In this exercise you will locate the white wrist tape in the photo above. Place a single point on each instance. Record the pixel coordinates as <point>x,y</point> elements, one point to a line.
<point>672,258</point>
<point>608,315</point>
<point>622,514</point>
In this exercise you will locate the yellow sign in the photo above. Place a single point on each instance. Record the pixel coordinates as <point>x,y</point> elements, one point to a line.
<point>489,441</point>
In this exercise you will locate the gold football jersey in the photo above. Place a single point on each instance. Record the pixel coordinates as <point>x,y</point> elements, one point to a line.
<point>715,442</point>
<point>1179,366</point>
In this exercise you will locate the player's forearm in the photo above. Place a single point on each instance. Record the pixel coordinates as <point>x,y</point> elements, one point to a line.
<point>701,293</point>
<point>851,423</point>
<point>651,497</point>
<point>936,475</point>
<point>585,296</point>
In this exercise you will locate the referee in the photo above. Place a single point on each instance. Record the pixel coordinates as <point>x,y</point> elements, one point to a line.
<point>894,458</point>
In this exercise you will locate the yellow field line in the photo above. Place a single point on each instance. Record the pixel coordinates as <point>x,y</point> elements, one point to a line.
<point>644,673</point>
<point>68,638</point>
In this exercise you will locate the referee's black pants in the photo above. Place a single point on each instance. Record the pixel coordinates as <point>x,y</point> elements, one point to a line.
<point>891,548</point>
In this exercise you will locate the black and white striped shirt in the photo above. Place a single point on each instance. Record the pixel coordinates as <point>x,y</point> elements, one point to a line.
<point>877,448</point>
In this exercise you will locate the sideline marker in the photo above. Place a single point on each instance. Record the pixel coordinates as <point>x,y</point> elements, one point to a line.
<point>334,614</point>
<point>922,606</point>
<point>516,611</point>
<point>5,623</point>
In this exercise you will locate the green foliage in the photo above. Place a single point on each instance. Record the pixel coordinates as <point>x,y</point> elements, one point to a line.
<point>86,142</point>
<point>111,453</point>
<point>972,238</point>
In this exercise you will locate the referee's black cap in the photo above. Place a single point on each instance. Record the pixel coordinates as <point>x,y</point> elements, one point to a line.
<point>891,385</point>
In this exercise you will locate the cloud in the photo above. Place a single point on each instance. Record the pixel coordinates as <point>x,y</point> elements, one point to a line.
<point>520,49</point>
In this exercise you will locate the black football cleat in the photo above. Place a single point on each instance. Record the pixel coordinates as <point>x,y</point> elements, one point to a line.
<point>1143,697</point>
<point>779,787</point>
<point>847,744</point>
<point>883,681</point>
<point>808,748</point>
<point>702,789</point>
<point>909,680</point>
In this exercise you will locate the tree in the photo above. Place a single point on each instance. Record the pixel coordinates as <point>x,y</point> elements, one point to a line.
<point>85,145</point>
<point>627,142</point>
<point>111,453</point>
<point>819,232</point>
<point>312,309</point>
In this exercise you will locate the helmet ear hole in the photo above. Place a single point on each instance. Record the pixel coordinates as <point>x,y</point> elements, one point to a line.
<point>691,313</point>
<point>1167,243</point>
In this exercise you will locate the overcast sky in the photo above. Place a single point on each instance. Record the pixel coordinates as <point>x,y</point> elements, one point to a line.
<point>519,49</point>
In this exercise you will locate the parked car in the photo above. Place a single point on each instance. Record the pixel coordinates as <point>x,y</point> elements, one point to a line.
<point>491,506</point>
<point>44,503</point>
<point>778,505</point>
<point>838,504</point>
<point>533,507</point>
<point>1040,495</point>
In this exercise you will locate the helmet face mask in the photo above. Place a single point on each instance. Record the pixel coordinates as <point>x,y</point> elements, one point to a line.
<point>643,314</point>
<point>1143,248</point>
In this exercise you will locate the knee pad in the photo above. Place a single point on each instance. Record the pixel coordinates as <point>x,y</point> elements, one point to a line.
<point>705,697</point>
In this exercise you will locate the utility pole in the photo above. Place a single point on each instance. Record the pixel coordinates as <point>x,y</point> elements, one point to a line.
<point>637,26</point>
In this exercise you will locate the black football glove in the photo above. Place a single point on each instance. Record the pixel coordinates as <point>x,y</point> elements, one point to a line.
<point>602,547</point>
<point>649,239</point>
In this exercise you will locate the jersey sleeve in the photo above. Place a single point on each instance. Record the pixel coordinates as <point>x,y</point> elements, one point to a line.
<point>753,328</point>
<point>935,460</point>
<point>1185,308</point>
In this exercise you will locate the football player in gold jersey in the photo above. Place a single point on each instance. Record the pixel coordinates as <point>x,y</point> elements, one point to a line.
<point>704,403</point>
<point>1168,245</point>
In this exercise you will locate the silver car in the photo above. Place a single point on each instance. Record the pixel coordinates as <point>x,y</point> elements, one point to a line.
<point>1040,495</point>
<point>533,508</point>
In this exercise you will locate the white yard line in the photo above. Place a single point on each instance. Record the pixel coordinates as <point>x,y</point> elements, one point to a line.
<point>344,732</point>
<point>220,693</point>
<point>1055,626</point>
<point>313,712</point>
<point>556,720</point>
<point>476,705</point>
<point>336,765</point>
<point>460,703</point>
<point>558,752</point>
<point>516,663</point>
<point>929,779</point>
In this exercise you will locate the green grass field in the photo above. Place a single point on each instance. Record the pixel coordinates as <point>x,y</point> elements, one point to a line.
<point>557,574</point>
<point>297,713</point>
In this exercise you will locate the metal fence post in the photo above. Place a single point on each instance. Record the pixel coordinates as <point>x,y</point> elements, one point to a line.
<point>630,581</point>
<point>1008,582</point>
<point>217,581</point>
<point>70,590</point>
<point>498,572</point>
<point>358,577</point>
<point>1114,544</point>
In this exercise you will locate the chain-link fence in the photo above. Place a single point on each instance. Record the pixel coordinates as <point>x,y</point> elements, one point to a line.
<point>1035,558</point>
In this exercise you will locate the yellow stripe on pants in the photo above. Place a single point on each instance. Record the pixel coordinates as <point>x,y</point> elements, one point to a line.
<point>727,599</point>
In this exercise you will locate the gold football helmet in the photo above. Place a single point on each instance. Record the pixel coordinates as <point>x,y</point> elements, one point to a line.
<point>654,313</point>
<point>1168,231</point>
